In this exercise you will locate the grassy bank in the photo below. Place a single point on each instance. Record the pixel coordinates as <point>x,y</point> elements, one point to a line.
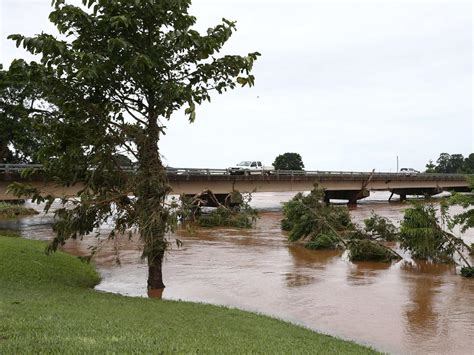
<point>47,305</point>
<point>8,210</point>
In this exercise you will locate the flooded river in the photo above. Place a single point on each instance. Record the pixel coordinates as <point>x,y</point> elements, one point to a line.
<point>399,308</point>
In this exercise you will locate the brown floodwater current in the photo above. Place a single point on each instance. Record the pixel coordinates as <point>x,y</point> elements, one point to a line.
<point>403,307</point>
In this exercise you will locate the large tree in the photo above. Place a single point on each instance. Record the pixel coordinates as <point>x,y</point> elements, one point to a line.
<point>117,74</point>
<point>288,161</point>
<point>443,165</point>
<point>468,165</point>
<point>456,163</point>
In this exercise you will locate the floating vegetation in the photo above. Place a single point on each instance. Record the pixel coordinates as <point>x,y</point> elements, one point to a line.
<point>307,217</point>
<point>224,217</point>
<point>8,210</point>
<point>368,250</point>
<point>323,226</point>
<point>235,212</point>
<point>323,241</point>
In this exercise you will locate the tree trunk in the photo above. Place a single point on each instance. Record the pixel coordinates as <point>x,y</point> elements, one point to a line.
<point>4,151</point>
<point>151,191</point>
<point>155,276</point>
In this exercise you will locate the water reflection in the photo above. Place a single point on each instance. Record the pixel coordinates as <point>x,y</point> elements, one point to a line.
<point>308,265</point>
<point>428,287</point>
<point>303,258</point>
<point>421,314</point>
<point>366,273</point>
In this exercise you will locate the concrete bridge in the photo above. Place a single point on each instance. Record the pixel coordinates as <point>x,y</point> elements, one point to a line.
<point>351,186</point>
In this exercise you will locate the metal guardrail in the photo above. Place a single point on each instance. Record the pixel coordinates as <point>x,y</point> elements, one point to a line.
<point>19,167</point>
<point>12,168</point>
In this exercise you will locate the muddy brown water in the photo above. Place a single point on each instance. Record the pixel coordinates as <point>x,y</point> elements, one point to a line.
<point>404,307</point>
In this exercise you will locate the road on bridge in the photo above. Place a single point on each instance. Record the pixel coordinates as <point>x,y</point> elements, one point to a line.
<point>351,186</point>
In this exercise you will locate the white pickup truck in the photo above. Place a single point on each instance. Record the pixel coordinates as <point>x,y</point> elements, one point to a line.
<point>250,167</point>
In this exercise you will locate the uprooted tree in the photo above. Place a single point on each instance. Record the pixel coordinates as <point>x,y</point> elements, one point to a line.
<point>422,234</point>
<point>118,73</point>
<point>235,211</point>
<point>463,220</point>
<point>324,226</point>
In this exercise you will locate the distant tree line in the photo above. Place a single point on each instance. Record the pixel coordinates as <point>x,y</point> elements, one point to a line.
<point>452,163</point>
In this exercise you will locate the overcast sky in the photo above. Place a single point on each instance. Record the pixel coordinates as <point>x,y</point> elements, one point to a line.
<point>347,84</point>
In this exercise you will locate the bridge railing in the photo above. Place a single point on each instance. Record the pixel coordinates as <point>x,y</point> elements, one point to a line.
<point>18,167</point>
<point>11,168</point>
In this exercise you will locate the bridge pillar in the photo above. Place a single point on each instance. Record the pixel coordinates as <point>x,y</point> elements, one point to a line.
<point>351,195</point>
<point>426,192</point>
<point>327,199</point>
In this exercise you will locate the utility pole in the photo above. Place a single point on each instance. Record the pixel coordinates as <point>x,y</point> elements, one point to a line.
<point>397,163</point>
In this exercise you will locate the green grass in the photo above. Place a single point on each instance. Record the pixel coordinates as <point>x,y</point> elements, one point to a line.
<point>47,305</point>
<point>8,210</point>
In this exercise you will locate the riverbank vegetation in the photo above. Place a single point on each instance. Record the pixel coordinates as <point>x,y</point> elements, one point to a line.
<point>47,306</point>
<point>422,233</point>
<point>8,210</point>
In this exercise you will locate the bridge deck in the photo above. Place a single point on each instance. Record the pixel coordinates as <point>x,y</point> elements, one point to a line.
<point>191,181</point>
